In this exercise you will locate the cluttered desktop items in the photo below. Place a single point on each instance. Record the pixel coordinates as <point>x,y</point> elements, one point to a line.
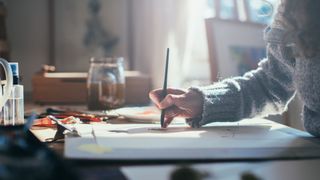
<point>11,99</point>
<point>97,137</point>
<point>101,135</point>
<point>22,155</point>
<point>106,83</point>
<point>133,134</point>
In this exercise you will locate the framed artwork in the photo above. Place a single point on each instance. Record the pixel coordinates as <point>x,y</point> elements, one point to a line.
<point>246,58</point>
<point>234,47</point>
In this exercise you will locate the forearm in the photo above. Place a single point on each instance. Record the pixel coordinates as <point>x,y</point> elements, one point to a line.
<point>261,92</point>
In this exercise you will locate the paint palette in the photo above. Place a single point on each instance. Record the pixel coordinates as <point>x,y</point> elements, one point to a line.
<point>145,114</point>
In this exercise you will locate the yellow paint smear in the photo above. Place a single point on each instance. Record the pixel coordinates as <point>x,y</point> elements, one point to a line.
<point>94,148</point>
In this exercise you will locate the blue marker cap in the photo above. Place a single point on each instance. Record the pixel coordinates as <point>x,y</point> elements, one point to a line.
<point>15,68</point>
<point>15,72</point>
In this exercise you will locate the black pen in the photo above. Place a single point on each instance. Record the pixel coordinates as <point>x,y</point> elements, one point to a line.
<point>164,90</point>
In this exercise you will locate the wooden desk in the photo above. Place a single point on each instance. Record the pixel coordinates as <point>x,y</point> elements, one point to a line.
<point>90,168</point>
<point>274,170</point>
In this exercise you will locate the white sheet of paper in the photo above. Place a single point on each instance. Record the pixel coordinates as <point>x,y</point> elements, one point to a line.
<point>145,138</point>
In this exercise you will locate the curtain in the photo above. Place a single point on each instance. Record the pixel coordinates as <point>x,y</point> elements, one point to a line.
<point>176,24</point>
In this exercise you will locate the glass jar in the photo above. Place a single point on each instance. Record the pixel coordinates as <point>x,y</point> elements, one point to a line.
<point>106,83</point>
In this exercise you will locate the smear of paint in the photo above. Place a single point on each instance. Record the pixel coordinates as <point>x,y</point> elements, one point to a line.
<point>94,148</point>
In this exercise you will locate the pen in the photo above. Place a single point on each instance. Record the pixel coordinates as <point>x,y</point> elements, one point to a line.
<point>164,90</point>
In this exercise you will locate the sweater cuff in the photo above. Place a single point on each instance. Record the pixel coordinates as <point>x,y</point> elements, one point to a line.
<point>221,104</point>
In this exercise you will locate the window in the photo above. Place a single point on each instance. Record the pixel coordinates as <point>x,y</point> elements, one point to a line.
<point>261,11</point>
<point>258,11</point>
<point>227,9</point>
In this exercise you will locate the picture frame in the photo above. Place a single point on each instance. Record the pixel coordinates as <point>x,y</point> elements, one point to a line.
<point>233,45</point>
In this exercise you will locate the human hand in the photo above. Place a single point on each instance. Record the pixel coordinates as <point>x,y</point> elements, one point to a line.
<point>178,103</point>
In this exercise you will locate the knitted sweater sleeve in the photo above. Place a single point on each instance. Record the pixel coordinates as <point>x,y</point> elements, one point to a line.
<point>261,92</point>
<point>266,90</point>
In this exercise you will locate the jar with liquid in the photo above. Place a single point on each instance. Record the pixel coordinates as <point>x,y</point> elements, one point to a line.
<point>106,83</point>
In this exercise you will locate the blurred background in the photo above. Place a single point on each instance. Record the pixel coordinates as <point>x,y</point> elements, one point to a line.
<point>66,33</point>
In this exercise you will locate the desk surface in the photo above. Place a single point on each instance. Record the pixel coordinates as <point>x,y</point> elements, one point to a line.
<point>275,170</point>
<point>92,167</point>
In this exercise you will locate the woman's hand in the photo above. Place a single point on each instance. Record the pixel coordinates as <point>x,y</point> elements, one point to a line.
<point>178,103</point>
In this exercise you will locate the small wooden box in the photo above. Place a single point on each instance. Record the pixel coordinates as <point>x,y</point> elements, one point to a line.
<point>71,88</point>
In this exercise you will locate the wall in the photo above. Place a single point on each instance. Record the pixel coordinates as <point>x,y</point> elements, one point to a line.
<point>29,34</point>
<point>70,27</point>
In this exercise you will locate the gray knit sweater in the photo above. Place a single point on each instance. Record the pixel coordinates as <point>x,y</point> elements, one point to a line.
<point>268,89</point>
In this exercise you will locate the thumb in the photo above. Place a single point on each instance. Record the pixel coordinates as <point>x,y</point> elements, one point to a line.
<point>170,100</point>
